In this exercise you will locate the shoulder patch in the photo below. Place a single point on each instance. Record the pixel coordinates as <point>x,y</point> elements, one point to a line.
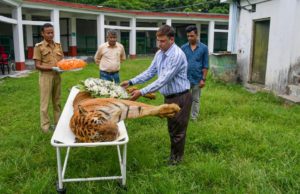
<point>38,44</point>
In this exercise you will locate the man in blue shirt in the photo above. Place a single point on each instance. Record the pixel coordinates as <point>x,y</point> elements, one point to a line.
<point>170,65</point>
<point>197,56</point>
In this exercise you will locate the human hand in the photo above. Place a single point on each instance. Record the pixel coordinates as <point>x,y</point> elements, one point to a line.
<point>149,95</point>
<point>57,69</point>
<point>201,84</point>
<point>125,84</point>
<point>135,95</point>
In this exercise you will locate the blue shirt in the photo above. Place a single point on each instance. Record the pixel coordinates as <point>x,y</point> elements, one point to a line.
<point>171,68</point>
<point>197,60</point>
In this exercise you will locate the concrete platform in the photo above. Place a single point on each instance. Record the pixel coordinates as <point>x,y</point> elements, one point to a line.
<point>16,74</point>
<point>290,98</point>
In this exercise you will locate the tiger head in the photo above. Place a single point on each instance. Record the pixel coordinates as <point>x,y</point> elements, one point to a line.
<point>96,117</point>
<point>92,126</point>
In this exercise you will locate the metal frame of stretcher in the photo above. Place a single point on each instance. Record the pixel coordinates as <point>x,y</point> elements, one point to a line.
<point>63,137</point>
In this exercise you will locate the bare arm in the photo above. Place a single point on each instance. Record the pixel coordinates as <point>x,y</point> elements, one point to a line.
<point>204,69</point>
<point>98,56</point>
<point>202,82</point>
<point>204,73</point>
<point>39,66</point>
<point>123,55</point>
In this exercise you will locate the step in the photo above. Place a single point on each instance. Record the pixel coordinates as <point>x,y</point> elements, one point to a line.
<point>29,64</point>
<point>296,79</point>
<point>289,98</point>
<point>253,88</point>
<point>294,90</point>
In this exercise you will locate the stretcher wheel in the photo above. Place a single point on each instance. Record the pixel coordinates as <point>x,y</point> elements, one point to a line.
<point>124,187</point>
<point>61,191</point>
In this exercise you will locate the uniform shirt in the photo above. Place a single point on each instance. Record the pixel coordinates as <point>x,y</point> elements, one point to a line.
<point>171,68</point>
<point>197,60</point>
<point>48,54</point>
<point>109,57</point>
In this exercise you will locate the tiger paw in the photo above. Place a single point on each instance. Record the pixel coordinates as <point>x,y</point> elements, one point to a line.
<point>150,96</point>
<point>168,110</point>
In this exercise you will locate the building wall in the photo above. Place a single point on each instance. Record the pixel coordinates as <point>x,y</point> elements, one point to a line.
<point>283,49</point>
<point>295,51</point>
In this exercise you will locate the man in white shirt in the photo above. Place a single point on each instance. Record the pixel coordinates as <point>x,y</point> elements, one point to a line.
<point>170,66</point>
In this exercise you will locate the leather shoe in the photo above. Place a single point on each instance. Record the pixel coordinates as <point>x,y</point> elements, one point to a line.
<point>52,127</point>
<point>174,160</point>
<point>45,130</point>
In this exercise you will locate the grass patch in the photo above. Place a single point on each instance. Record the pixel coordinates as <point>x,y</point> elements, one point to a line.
<point>243,143</point>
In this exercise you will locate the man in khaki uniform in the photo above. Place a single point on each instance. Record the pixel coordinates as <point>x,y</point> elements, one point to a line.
<point>109,57</point>
<point>46,54</point>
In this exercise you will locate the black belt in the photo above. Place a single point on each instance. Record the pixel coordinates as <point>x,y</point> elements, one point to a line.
<point>177,94</point>
<point>110,73</point>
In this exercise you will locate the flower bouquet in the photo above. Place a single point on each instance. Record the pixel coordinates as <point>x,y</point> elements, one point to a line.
<point>102,88</point>
<point>69,65</point>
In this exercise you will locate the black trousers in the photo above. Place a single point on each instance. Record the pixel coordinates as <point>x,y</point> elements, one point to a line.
<point>177,125</point>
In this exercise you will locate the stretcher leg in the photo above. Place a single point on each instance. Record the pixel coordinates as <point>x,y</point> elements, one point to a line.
<point>59,187</point>
<point>124,164</point>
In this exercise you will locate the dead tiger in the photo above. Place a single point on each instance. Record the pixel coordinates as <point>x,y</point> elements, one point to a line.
<point>95,119</point>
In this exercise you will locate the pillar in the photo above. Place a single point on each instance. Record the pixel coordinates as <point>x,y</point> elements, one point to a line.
<point>211,36</point>
<point>232,27</point>
<point>100,29</point>
<point>119,32</point>
<point>29,39</point>
<point>18,39</point>
<point>169,22</point>
<point>55,20</point>
<point>132,39</point>
<point>73,39</point>
<point>198,25</point>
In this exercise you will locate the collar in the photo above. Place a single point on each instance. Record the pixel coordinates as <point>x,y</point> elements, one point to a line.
<point>169,50</point>
<point>107,44</point>
<point>47,43</point>
<point>197,44</point>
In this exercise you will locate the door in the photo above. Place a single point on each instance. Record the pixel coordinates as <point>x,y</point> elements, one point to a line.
<point>260,51</point>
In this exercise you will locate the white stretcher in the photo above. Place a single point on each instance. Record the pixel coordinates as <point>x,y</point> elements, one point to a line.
<point>63,137</point>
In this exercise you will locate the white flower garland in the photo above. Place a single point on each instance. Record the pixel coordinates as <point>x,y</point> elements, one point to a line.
<point>102,88</point>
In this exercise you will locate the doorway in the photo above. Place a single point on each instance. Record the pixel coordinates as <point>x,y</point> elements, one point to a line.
<point>260,51</point>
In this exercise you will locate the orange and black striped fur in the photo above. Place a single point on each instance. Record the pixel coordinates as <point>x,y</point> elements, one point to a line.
<point>95,119</point>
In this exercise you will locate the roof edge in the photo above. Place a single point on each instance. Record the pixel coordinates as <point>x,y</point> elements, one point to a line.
<point>131,12</point>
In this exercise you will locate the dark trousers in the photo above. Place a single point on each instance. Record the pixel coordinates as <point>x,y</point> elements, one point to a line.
<point>113,77</point>
<point>177,125</point>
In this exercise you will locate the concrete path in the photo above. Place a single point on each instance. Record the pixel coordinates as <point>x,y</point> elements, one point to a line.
<point>16,74</point>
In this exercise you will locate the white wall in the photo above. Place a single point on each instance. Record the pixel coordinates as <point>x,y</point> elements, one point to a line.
<point>284,42</point>
<point>295,54</point>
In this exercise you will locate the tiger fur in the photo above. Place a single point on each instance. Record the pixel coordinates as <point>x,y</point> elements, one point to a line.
<point>95,119</point>
<point>133,88</point>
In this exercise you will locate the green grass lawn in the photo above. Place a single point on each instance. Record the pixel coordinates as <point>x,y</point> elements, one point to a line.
<point>243,143</point>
